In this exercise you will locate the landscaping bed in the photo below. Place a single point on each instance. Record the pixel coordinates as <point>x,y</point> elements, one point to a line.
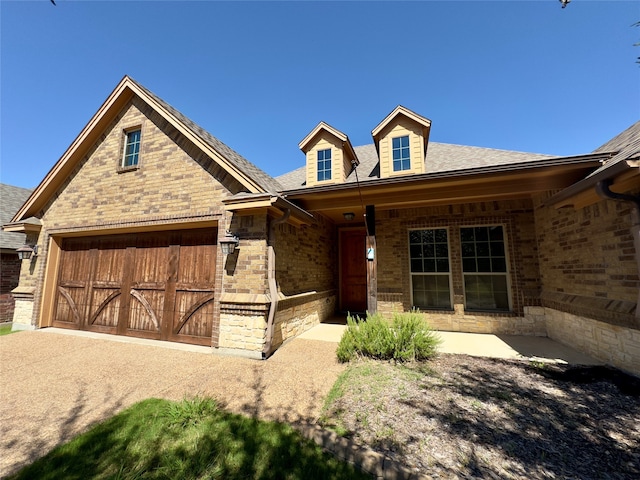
<point>458,416</point>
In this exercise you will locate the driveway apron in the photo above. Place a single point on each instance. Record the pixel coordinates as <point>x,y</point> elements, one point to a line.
<point>54,386</point>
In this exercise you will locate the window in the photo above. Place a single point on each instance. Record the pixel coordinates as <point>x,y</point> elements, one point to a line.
<point>131,148</point>
<point>430,272</point>
<point>324,164</point>
<point>484,267</point>
<point>401,158</point>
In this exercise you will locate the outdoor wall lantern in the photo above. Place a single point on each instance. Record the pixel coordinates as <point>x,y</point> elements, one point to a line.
<point>348,216</point>
<point>229,243</point>
<point>25,252</point>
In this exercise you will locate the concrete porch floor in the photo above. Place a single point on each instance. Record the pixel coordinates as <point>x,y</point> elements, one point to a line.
<point>482,345</point>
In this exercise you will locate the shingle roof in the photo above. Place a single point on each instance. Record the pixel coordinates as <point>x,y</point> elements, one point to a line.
<point>626,146</point>
<point>11,199</point>
<point>441,157</point>
<point>622,140</point>
<point>267,182</point>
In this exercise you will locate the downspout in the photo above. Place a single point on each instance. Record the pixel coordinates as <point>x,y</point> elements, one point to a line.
<point>602,188</point>
<point>273,286</point>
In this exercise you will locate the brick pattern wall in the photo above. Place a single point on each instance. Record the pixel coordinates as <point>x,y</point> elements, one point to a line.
<point>587,261</point>
<point>173,179</point>
<point>394,287</point>
<point>306,257</point>
<point>9,276</point>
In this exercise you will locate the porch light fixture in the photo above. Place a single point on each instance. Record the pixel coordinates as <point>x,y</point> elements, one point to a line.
<point>25,252</point>
<point>348,216</point>
<point>229,243</point>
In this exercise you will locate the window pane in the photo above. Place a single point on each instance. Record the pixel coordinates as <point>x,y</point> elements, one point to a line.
<point>469,265</point>
<point>405,141</point>
<point>484,264</point>
<point>416,265</point>
<point>396,142</point>
<point>481,234</point>
<point>498,265</point>
<point>497,249</point>
<point>431,291</point>
<point>429,250</point>
<point>466,234</point>
<point>482,249</point>
<point>495,233</point>
<point>429,265</point>
<point>486,292</point>
<point>468,250</point>
<point>442,265</point>
<point>442,250</point>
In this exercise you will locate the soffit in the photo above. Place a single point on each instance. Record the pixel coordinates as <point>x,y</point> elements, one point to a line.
<point>441,189</point>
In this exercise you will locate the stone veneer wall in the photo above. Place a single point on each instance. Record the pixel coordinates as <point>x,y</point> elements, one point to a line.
<point>298,314</point>
<point>613,344</point>
<point>516,216</point>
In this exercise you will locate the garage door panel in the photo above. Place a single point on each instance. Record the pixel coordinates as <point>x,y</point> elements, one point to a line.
<point>151,285</point>
<point>105,305</point>
<point>70,307</point>
<point>145,311</point>
<point>194,314</point>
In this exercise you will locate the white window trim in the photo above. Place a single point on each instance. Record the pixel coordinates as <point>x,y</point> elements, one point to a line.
<point>411,274</point>
<point>123,149</point>
<point>507,260</point>
<point>318,161</point>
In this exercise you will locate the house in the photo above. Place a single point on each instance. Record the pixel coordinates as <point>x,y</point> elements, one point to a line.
<point>11,199</point>
<point>137,222</point>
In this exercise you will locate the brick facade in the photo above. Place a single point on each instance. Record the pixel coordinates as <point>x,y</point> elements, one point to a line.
<point>9,277</point>
<point>516,217</point>
<point>587,261</point>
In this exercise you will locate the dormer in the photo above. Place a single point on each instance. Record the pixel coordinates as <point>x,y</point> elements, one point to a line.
<point>401,141</point>
<point>329,155</point>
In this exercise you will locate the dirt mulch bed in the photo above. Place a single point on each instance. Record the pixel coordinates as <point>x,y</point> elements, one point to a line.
<point>469,417</point>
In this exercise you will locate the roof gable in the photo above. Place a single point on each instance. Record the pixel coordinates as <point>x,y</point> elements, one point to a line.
<point>247,174</point>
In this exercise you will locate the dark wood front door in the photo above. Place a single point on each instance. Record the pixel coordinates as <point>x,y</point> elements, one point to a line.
<point>156,285</point>
<point>353,271</point>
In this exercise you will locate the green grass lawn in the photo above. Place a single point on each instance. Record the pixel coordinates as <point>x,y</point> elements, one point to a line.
<point>5,330</point>
<point>192,439</point>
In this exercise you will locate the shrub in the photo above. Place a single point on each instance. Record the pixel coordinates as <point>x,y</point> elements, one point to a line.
<point>407,337</point>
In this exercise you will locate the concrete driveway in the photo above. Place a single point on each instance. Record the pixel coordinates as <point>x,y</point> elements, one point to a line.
<point>54,384</point>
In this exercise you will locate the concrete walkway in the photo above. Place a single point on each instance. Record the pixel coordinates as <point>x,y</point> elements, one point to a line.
<point>56,383</point>
<point>483,345</point>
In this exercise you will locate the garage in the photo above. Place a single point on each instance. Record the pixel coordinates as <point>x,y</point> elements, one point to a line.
<point>156,285</point>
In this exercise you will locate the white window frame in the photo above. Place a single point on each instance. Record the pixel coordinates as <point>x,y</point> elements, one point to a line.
<point>506,274</point>
<point>330,170</point>
<point>448,274</point>
<point>408,147</point>
<point>125,143</point>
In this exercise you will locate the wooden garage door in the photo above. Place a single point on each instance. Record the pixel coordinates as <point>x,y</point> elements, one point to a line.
<point>156,285</point>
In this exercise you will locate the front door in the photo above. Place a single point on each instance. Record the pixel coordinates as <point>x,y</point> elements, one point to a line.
<point>353,271</point>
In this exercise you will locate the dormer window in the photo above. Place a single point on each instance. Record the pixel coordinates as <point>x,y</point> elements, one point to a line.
<point>401,157</point>
<point>324,165</point>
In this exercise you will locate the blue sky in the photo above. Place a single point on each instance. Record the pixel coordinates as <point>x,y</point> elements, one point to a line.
<point>518,75</point>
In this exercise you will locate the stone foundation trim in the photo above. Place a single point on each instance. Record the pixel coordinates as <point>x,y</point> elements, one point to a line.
<point>613,344</point>
<point>374,463</point>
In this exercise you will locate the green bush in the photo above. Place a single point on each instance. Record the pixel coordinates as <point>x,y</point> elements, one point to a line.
<point>406,338</point>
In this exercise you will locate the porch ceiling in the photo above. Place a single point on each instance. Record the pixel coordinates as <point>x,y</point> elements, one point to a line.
<point>441,189</point>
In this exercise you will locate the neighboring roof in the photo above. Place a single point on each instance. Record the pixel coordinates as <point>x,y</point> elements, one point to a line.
<point>11,199</point>
<point>247,174</point>
<point>441,157</point>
